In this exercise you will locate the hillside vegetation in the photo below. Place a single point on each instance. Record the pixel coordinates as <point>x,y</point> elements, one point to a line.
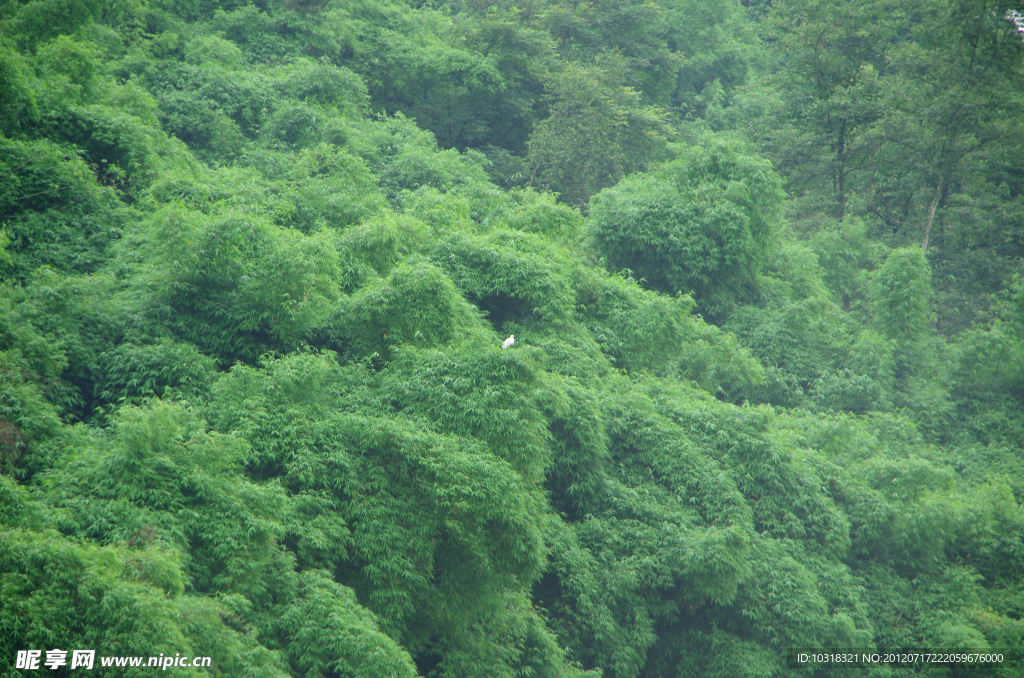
<point>761,261</point>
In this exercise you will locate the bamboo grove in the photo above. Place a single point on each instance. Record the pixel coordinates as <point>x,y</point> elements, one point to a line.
<point>761,261</point>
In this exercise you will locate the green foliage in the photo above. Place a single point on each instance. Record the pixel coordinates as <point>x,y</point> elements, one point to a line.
<point>633,30</point>
<point>55,213</point>
<point>323,83</point>
<point>132,371</point>
<point>46,574</point>
<point>332,632</point>
<point>233,283</point>
<point>700,224</point>
<point>455,92</point>
<point>643,330</point>
<point>539,213</point>
<point>39,20</point>
<point>416,304</point>
<point>19,100</point>
<point>78,320</point>
<point>266,255</point>
<point>210,50</point>
<point>598,131</point>
<point>441,387</point>
<point>31,366</point>
<point>899,295</point>
<point>404,157</point>
<point>423,576</point>
<point>376,246</point>
<point>136,601</point>
<point>513,276</point>
<point>330,188</point>
<point>844,253</point>
<point>718,53</point>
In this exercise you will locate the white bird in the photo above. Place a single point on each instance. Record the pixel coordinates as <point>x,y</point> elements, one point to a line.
<point>508,342</point>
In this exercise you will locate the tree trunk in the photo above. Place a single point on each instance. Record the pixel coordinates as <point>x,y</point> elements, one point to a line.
<point>931,214</point>
<point>841,158</point>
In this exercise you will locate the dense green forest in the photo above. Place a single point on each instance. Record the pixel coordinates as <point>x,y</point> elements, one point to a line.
<point>762,263</point>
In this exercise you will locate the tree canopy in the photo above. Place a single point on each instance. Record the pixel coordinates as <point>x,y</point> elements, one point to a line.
<point>762,262</point>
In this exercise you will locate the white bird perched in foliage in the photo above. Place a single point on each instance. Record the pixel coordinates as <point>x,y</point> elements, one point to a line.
<point>508,342</point>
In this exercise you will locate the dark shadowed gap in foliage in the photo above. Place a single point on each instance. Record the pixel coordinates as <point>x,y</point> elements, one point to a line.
<point>560,500</point>
<point>502,308</point>
<point>427,661</point>
<point>330,339</point>
<point>12,442</point>
<point>559,479</point>
<point>547,591</point>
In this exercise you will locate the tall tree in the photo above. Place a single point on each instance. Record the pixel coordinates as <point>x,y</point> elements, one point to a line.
<point>597,131</point>
<point>830,56</point>
<point>956,88</point>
